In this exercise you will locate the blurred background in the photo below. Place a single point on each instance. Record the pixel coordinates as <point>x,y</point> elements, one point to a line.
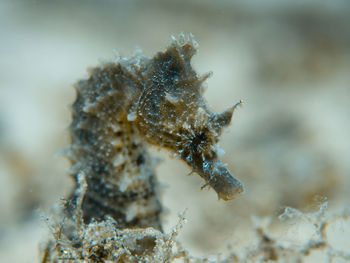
<point>289,61</point>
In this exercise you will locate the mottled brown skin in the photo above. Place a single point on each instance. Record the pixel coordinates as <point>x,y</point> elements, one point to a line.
<point>125,105</point>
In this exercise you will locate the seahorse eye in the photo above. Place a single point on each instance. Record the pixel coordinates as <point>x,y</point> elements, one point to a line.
<point>198,141</point>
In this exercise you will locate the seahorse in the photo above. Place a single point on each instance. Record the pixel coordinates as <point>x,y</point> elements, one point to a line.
<point>128,104</point>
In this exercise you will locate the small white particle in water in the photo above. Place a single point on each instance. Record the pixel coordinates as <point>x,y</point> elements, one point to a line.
<point>131,116</point>
<point>131,212</point>
<point>220,152</point>
<point>117,160</point>
<point>171,98</point>
<point>116,142</point>
<point>125,182</point>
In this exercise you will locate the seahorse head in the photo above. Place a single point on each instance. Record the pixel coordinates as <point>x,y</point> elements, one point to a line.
<point>172,113</point>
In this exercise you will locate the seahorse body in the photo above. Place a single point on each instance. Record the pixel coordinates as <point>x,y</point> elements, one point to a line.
<point>125,105</point>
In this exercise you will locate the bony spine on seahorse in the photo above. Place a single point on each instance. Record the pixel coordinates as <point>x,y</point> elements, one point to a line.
<point>125,105</point>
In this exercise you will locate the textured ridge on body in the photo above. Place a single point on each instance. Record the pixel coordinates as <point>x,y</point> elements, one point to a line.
<point>127,104</point>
